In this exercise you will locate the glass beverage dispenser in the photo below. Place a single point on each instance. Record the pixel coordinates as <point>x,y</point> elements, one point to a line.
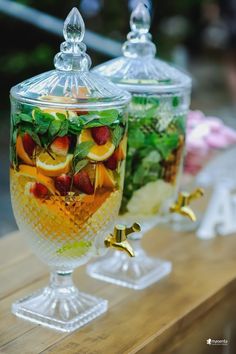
<point>66,125</point>
<point>156,139</point>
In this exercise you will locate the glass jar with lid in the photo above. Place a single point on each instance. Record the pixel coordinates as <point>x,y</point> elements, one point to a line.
<point>65,126</point>
<point>156,139</point>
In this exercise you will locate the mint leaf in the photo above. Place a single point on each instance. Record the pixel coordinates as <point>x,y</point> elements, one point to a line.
<point>25,118</point>
<point>176,101</point>
<point>180,123</point>
<point>151,112</point>
<point>109,113</point>
<point>164,144</point>
<point>45,141</point>
<point>154,101</point>
<point>85,119</point>
<point>107,117</point>
<point>117,135</point>
<point>16,119</point>
<point>35,137</point>
<point>139,175</point>
<point>100,122</point>
<point>54,127</point>
<point>13,154</point>
<point>42,128</point>
<point>75,125</point>
<point>136,138</point>
<point>25,108</point>
<point>83,149</point>
<point>64,128</point>
<point>31,132</point>
<point>107,120</point>
<point>42,120</point>
<point>74,129</point>
<point>94,123</point>
<point>14,136</point>
<point>152,158</point>
<point>61,116</point>
<point>139,100</point>
<point>80,165</point>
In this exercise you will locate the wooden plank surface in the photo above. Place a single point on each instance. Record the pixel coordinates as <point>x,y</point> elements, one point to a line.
<point>204,273</point>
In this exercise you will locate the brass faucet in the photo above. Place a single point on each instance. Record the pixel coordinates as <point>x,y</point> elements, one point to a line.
<point>184,199</point>
<point>119,238</point>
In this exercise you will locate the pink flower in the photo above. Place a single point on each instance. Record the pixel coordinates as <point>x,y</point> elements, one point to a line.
<point>205,135</point>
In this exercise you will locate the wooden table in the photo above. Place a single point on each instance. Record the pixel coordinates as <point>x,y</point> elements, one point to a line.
<point>168,317</point>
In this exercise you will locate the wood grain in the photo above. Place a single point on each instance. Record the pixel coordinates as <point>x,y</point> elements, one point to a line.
<point>204,274</point>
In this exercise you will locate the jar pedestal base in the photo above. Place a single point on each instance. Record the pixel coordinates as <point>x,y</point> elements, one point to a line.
<point>135,273</point>
<point>63,309</point>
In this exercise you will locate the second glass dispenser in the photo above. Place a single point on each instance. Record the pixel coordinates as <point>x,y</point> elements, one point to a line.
<point>156,139</point>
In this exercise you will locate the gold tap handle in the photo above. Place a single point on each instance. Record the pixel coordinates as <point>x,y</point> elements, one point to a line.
<point>181,206</point>
<point>119,233</point>
<point>134,228</point>
<point>118,239</point>
<point>198,193</point>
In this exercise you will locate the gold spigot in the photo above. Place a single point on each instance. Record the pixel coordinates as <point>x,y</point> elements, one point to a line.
<point>119,238</point>
<point>182,207</point>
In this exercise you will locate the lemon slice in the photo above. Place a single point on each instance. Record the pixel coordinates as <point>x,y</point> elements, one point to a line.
<point>97,152</point>
<point>149,199</point>
<point>53,167</point>
<point>75,249</point>
<point>31,172</point>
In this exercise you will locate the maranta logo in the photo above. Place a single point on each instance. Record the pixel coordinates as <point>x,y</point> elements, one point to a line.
<point>217,341</point>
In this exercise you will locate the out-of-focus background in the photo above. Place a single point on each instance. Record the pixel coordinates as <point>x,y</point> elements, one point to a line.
<point>197,35</point>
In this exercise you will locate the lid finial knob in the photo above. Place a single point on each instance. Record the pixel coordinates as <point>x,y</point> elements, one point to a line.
<point>73,56</point>
<point>74,27</point>
<point>140,19</point>
<point>139,40</point>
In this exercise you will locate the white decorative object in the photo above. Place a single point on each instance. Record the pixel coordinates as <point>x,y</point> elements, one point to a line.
<point>220,216</point>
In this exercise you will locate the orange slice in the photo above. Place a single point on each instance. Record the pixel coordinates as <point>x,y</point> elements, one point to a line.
<point>97,152</point>
<point>53,167</point>
<point>121,150</point>
<point>31,172</point>
<point>104,177</point>
<point>22,153</point>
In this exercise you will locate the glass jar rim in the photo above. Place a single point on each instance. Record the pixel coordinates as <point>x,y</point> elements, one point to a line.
<point>99,104</point>
<point>153,88</point>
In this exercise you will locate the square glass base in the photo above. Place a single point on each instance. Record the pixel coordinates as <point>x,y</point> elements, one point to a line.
<point>64,313</point>
<point>135,273</point>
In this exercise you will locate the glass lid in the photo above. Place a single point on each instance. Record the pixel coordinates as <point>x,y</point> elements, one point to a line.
<point>71,84</point>
<point>138,70</point>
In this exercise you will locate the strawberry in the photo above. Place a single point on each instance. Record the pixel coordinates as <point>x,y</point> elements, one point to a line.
<point>83,182</point>
<point>63,183</point>
<point>29,144</point>
<point>39,190</point>
<point>112,162</point>
<point>81,113</point>
<point>60,146</point>
<point>101,135</point>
